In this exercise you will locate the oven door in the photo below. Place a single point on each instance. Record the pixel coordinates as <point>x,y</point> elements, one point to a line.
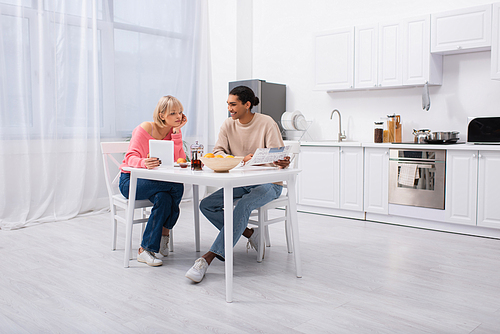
<point>417,183</point>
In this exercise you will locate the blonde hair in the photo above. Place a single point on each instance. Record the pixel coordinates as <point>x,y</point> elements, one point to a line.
<point>165,105</point>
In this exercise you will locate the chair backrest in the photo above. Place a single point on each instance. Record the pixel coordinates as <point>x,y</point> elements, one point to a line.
<point>295,152</point>
<point>108,149</point>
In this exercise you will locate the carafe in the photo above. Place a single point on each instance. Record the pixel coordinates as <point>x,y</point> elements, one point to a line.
<point>196,154</point>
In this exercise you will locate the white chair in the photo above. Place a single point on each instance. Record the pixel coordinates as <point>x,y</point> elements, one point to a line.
<point>116,199</point>
<point>262,220</point>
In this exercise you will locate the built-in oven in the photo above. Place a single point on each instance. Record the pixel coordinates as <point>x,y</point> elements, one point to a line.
<point>417,177</point>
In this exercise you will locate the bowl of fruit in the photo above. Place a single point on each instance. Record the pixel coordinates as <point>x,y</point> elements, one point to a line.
<point>219,163</point>
<point>182,162</point>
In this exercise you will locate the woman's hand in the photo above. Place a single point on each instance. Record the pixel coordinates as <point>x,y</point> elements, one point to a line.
<point>282,163</point>
<point>176,129</point>
<point>152,162</point>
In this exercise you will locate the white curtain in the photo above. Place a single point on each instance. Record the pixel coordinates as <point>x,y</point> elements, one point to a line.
<point>74,73</point>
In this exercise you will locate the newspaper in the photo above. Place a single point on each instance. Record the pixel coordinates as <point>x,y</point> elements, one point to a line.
<point>268,155</point>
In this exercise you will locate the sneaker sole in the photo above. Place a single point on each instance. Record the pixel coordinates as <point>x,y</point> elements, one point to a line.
<point>150,264</point>
<point>194,280</point>
<point>164,254</point>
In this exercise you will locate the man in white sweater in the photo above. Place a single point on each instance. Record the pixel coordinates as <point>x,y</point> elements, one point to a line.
<point>240,135</point>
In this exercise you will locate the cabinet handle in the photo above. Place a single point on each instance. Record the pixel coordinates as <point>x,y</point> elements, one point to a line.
<point>459,47</point>
<point>479,155</point>
<point>474,155</point>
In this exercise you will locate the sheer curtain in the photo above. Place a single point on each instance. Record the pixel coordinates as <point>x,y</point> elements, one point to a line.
<point>74,73</point>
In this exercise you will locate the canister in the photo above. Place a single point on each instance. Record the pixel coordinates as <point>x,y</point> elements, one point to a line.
<point>378,132</point>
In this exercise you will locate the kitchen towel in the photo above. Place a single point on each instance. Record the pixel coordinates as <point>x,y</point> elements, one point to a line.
<point>407,174</point>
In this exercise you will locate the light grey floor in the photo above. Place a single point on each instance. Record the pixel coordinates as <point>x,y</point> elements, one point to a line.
<point>359,277</point>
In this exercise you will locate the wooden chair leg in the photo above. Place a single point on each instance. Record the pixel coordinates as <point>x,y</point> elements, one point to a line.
<point>288,231</point>
<point>171,241</point>
<point>114,224</point>
<point>260,251</point>
<point>266,229</point>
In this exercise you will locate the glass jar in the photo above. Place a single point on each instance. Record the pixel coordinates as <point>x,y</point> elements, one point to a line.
<point>196,154</point>
<point>394,128</point>
<point>378,132</point>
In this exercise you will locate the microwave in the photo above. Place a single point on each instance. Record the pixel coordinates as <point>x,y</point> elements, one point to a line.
<point>483,130</point>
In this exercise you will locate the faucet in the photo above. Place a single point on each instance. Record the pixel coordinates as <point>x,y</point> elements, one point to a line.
<point>341,136</point>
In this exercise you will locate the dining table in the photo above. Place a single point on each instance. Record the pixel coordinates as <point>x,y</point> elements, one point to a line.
<point>237,177</point>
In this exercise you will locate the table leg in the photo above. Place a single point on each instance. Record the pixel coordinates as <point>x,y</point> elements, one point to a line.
<point>196,210</point>
<point>228,241</point>
<point>130,217</point>
<point>292,212</point>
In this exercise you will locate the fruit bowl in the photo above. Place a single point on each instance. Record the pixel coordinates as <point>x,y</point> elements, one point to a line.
<point>221,165</point>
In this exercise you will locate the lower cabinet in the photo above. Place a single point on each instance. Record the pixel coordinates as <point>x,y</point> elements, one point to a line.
<point>318,183</point>
<point>351,178</point>
<point>331,177</point>
<point>376,185</point>
<point>488,199</point>
<point>357,179</point>
<point>472,180</point>
<point>461,187</point>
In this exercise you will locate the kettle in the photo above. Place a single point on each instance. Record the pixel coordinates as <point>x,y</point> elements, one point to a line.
<point>420,136</point>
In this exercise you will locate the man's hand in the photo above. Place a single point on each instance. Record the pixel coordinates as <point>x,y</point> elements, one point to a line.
<point>247,158</point>
<point>282,163</point>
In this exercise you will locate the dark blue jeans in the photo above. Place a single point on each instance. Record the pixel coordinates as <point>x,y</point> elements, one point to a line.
<point>166,197</point>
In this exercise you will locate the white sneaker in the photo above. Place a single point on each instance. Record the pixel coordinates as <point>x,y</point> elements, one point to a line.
<point>164,250</point>
<point>149,258</point>
<point>198,270</point>
<point>254,240</point>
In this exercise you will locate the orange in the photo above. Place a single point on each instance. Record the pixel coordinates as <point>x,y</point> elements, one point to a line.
<point>219,156</point>
<point>209,155</point>
<point>229,156</point>
<point>181,161</point>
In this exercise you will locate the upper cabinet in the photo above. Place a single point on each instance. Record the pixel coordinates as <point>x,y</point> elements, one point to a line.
<point>365,56</point>
<point>378,55</point>
<point>408,52</point>
<point>334,60</point>
<point>462,30</point>
<point>495,43</point>
<point>419,65</point>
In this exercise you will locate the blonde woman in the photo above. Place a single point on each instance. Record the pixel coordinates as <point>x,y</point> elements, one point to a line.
<point>168,119</point>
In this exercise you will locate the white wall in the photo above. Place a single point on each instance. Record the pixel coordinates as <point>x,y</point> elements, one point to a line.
<point>283,50</point>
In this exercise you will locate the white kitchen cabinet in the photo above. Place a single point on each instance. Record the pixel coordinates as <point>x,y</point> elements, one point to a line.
<point>365,56</point>
<point>419,65</point>
<point>319,181</point>
<point>376,181</point>
<point>462,30</point>
<point>472,183</point>
<point>331,177</point>
<point>461,187</point>
<point>390,54</point>
<point>378,55</point>
<point>334,60</point>
<point>495,42</point>
<point>351,178</point>
<point>488,202</point>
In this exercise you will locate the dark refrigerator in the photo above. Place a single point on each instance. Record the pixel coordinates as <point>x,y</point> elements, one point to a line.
<point>272,97</point>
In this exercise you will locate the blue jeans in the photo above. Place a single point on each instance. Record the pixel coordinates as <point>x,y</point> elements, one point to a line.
<point>250,198</point>
<point>166,197</point>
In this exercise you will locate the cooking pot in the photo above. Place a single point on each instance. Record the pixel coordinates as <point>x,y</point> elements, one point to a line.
<point>442,137</point>
<point>420,135</point>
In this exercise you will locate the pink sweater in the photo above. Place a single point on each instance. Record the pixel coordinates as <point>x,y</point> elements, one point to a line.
<point>139,148</point>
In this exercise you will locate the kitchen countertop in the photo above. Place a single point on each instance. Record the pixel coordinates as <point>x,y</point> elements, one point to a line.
<point>465,146</point>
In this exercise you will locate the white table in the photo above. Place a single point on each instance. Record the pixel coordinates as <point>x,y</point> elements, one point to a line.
<point>234,178</point>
